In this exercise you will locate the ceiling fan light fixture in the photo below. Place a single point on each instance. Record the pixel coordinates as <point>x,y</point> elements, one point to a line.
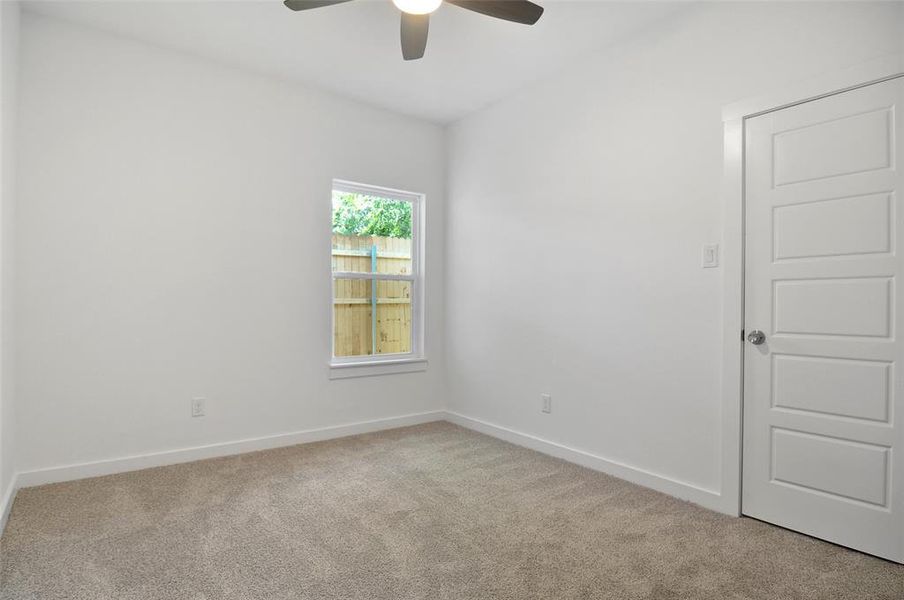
<point>417,7</point>
<point>416,16</point>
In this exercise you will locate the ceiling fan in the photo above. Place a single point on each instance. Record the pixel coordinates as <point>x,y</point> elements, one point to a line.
<point>416,16</point>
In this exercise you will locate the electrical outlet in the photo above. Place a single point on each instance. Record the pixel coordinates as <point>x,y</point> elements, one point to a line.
<point>547,403</point>
<point>710,256</point>
<point>198,407</point>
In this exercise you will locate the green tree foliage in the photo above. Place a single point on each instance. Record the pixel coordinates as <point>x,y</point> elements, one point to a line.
<point>357,214</point>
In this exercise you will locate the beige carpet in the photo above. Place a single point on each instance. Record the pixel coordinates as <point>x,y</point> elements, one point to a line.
<point>428,512</point>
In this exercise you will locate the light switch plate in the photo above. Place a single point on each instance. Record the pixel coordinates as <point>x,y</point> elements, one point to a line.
<point>710,256</point>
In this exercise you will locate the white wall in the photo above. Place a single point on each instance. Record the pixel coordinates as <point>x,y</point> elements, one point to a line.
<point>174,242</point>
<point>577,212</point>
<point>9,63</point>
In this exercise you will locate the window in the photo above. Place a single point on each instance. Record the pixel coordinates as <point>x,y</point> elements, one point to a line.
<point>377,280</point>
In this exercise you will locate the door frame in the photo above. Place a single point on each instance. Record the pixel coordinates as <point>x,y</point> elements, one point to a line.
<point>734,117</point>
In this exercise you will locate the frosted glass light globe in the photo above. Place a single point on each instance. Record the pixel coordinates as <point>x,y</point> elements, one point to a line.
<point>417,7</point>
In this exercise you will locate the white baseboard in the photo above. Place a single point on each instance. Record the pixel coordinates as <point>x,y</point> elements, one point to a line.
<point>686,491</point>
<point>6,503</point>
<point>171,457</point>
<point>680,489</point>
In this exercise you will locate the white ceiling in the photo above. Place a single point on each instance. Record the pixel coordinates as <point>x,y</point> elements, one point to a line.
<point>352,49</point>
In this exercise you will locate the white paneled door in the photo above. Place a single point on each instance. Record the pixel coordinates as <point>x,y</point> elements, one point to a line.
<point>824,377</point>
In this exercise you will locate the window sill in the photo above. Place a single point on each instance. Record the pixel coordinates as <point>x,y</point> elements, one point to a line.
<point>377,367</point>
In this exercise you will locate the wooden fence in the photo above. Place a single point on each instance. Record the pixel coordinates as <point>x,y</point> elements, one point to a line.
<point>355,332</point>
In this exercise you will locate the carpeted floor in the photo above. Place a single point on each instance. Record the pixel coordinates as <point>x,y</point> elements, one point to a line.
<point>429,512</point>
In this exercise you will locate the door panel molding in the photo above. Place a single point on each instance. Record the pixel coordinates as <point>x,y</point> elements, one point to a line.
<point>824,463</point>
<point>734,116</point>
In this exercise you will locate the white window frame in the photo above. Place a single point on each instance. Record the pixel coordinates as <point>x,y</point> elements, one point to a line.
<point>358,366</point>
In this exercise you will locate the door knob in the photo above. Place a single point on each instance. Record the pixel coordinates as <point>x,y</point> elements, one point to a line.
<point>756,337</point>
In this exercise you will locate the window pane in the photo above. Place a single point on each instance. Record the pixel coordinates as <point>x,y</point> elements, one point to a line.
<point>352,321</point>
<point>394,255</point>
<point>371,234</point>
<point>355,333</point>
<point>352,253</point>
<point>393,317</point>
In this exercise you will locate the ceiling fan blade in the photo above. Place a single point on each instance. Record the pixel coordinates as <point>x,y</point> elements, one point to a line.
<point>306,4</point>
<point>518,11</point>
<point>414,35</point>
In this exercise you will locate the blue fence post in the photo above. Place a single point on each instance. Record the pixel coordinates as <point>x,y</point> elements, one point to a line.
<point>373,301</point>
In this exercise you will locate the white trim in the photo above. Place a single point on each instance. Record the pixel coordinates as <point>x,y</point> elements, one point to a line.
<point>366,189</point>
<point>661,483</point>
<point>734,116</point>
<point>873,71</point>
<point>172,457</point>
<point>673,487</point>
<point>732,316</point>
<point>417,279</point>
<point>382,276</point>
<point>6,503</point>
<point>377,367</point>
